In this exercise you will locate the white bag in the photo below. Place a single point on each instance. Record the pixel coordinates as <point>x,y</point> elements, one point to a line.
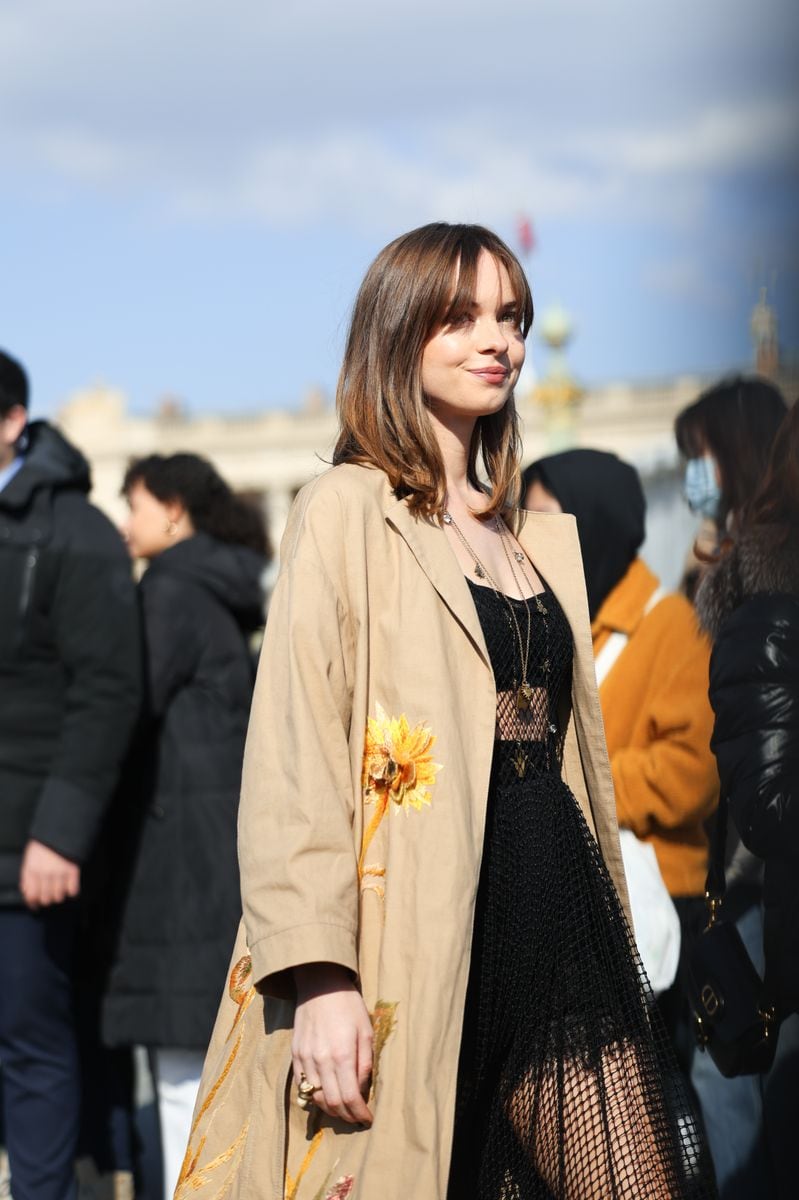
<point>655,920</point>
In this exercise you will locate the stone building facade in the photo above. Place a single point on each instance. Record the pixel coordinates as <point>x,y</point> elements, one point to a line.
<point>269,456</point>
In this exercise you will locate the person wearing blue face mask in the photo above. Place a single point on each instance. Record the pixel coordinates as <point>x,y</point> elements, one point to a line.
<point>726,437</point>
<point>701,487</point>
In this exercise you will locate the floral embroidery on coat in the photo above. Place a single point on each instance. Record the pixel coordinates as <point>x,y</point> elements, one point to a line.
<point>192,1175</point>
<point>398,768</point>
<point>341,1189</point>
<point>384,1022</point>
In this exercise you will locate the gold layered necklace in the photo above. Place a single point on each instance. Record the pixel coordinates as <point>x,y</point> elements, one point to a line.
<point>524,691</point>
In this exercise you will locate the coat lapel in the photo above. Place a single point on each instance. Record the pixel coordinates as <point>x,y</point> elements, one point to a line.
<point>428,544</point>
<point>550,542</point>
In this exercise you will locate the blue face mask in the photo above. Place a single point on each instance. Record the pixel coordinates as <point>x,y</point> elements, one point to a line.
<point>700,488</point>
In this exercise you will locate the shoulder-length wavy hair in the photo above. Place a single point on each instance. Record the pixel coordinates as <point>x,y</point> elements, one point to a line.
<point>420,282</point>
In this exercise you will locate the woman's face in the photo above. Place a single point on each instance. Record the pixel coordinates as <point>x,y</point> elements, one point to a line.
<point>470,367</point>
<point>152,526</point>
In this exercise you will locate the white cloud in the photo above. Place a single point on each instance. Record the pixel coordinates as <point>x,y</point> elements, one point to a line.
<point>360,178</point>
<point>381,115</point>
<point>720,138</point>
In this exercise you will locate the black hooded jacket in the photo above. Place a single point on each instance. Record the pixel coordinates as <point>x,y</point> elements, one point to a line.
<point>172,843</point>
<point>606,497</point>
<point>69,657</point>
<point>749,603</point>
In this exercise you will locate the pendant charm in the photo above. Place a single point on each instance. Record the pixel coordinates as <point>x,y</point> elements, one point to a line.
<point>479,572</point>
<point>524,698</point>
<point>447,518</point>
<point>517,554</point>
<point>520,762</point>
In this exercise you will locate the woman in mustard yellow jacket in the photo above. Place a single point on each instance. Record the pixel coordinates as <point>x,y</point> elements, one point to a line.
<point>654,662</point>
<point>434,991</point>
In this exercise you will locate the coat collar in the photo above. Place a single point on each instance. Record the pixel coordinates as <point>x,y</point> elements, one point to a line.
<point>549,540</point>
<point>624,607</point>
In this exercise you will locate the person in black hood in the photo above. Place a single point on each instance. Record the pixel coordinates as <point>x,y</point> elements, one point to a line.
<point>69,698</point>
<point>606,497</point>
<point>202,598</point>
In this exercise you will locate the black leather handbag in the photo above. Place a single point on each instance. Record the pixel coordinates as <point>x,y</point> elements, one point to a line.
<point>734,1015</point>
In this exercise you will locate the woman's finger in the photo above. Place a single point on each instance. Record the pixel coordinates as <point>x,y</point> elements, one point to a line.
<point>328,1098</point>
<point>354,1106</point>
<point>365,1039</point>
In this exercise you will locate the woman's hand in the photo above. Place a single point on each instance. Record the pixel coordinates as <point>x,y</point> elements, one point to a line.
<point>332,1043</point>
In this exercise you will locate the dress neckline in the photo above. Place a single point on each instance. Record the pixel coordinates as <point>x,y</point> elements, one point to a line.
<point>481,587</point>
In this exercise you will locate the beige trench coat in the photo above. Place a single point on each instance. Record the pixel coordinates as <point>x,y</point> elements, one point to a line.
<point>362,815</point>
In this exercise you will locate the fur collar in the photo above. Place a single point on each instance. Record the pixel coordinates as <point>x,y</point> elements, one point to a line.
<point>756,563</point>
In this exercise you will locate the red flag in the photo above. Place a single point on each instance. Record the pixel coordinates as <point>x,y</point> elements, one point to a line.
<point>524,231</point>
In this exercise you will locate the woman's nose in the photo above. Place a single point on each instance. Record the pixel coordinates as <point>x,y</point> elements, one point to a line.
<point>493,337</point>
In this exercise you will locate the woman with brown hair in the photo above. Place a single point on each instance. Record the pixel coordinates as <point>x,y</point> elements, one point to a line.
<point>435,990</point>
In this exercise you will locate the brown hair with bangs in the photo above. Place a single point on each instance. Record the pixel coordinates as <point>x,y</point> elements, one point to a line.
<point>418,283</point>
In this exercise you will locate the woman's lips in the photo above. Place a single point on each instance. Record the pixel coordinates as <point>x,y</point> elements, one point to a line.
<point>494,375</point>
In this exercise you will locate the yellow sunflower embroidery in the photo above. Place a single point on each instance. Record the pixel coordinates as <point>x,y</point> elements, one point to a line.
<point>397,764</point>
<point>398,768</point>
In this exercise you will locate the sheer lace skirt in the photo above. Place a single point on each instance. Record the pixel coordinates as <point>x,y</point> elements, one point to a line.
<point>567,1086</point>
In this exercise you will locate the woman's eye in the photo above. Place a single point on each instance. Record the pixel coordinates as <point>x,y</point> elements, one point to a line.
<point>510,318</point>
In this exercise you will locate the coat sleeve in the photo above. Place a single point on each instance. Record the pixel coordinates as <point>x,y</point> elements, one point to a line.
<point>672,780</point>
<point>754,689</point>
<point>96,631</point>
<point>296,847</point>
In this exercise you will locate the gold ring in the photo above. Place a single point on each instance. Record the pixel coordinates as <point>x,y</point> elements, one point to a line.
<point>305,1091</point>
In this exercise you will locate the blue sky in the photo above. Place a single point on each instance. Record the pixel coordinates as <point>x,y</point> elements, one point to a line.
<point>190,192</point>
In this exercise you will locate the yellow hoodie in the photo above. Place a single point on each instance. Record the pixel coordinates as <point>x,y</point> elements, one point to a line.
<point>658,723</point>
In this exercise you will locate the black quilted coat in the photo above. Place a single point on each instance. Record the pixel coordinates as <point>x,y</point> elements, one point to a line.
<point>70,672</point>
<point>749,604</point>
<point>171,858</point>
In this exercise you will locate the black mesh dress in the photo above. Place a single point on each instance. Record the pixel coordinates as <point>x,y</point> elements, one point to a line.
<point>565,1089</point>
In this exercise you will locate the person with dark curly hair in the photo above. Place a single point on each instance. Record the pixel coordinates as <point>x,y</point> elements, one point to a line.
<point>175,826</point>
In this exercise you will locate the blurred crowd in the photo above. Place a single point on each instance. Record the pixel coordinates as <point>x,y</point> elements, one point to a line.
<point>124,700</point>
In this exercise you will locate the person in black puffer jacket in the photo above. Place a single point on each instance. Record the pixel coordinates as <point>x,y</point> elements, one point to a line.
<point>171,860</point>
<point>70,689</point>
<point>749,603</point>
